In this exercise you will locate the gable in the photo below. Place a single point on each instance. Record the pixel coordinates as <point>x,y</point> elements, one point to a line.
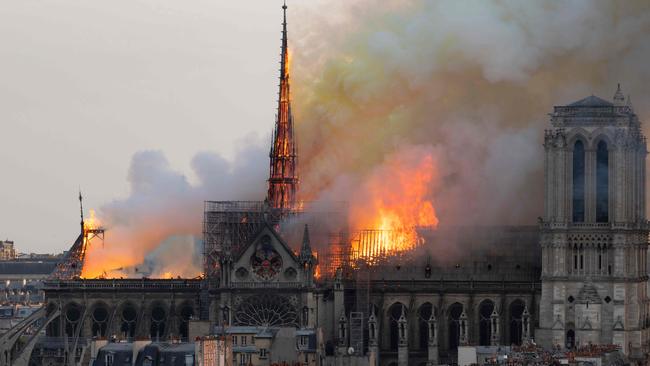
<point>266,258</point>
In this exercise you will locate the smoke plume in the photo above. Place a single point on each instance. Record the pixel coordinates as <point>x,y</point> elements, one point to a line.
<point>156,230</point>
<point>471,81</point>
<point>457,90</point>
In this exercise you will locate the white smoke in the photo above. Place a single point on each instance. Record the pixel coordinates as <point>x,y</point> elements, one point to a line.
<point>474,80</point>
<point>157,229</point>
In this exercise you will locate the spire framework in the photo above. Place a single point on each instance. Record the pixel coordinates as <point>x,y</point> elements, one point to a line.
<point>283,176</point>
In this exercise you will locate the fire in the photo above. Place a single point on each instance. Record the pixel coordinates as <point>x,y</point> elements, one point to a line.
<point>91,223</point>
<point>397,202</point>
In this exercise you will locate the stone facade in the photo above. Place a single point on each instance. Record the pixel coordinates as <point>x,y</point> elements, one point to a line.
<point>594,233</point>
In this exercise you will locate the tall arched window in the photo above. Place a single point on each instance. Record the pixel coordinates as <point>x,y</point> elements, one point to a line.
<point>602,183</point>
<point>516,317</point>
<point>394,313</point>
<point>578,182</point>
<point>485,310</point>
<point>424,314</point>
<point>454,313</point>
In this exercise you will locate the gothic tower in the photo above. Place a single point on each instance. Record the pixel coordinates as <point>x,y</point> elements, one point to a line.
<point>283,175</point>
<point>594,233</point>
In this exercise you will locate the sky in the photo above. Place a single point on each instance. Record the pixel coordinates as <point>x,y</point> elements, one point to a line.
<point>152,106</point>
<point>84,86</point>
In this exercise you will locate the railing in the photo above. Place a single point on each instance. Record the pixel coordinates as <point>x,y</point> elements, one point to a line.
<point>455,286</point>
<point>266,285</point>
<point>642,225</point>
<point>124,284</point>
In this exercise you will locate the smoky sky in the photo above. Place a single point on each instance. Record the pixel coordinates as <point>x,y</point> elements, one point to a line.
<point>128,98</point>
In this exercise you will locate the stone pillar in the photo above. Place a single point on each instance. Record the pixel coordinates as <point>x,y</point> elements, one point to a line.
<point>402,346</point>
<point>525,325</point>
<point>342,344</point>
<point>339,307</point>
<point>463,339</point>
<point>433,339</point>
<point>496,334</point>
<point>373,344</point>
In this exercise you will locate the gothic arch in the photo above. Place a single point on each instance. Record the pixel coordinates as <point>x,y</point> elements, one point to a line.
<point>99,316</point>
<point>578,134</point>
<point>602,180</point>
<point>394,313</point>
<point>185,312</point>
<point>454,312</point>
<point>158,319</point>
<point>73,318</point>
<point>126,319</point>
<point>485,310</point>
<point>515,312</point>
<point>424,314</point>
<point>598,136</point>
<point>578,180</point>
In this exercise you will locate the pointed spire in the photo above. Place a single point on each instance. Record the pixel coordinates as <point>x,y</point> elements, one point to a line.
<point>305,250</point>
<point>283,175</point>
<point>619,99</point>
<point>629,102</point>
<point>81,211</point>
<point>284,62</point>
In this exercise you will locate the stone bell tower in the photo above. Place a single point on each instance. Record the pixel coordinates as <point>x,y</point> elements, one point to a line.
<point>594,233</point>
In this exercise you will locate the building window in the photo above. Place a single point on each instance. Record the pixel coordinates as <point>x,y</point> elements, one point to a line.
<point>234,340</point>
<point>264,353</point>
<point>303,341</point>
<point>243,340</point>
<point>189,359</point>
<point>602,183</point>
<point>109,358</point>
<point>578,182</point>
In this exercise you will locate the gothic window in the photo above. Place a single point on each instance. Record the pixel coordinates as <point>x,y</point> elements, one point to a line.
<point>455,311</point>
<point>158,316</point>
<point>394,313</point>
<point>270,310</point>
<point>186,314</point>
<point>129,317</point>
<point>516,315</point>
<point>72,316</point>
<point>578,182</point>
<point>485,322</point>
<point>99,321</point>
<point>424,315</point>
<point>602,183</point>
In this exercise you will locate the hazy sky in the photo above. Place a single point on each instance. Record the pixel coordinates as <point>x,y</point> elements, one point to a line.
<point>85,85</point>
<point>100,94</point>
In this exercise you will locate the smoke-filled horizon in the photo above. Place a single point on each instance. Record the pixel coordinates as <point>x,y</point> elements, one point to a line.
<point>466,83</point>
<point>431,110</point>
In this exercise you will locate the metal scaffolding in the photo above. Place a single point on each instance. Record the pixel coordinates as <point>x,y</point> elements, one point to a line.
<point>228,226</point>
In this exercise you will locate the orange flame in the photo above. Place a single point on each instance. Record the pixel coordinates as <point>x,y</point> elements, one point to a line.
<point>91,223</point>
<point>398,202</point>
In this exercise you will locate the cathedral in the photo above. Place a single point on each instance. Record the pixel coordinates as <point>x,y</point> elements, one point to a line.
<point>576,277</point>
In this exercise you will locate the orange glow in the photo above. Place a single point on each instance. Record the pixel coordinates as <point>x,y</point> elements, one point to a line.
<point>399,202</point>
<point>91,223</point>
